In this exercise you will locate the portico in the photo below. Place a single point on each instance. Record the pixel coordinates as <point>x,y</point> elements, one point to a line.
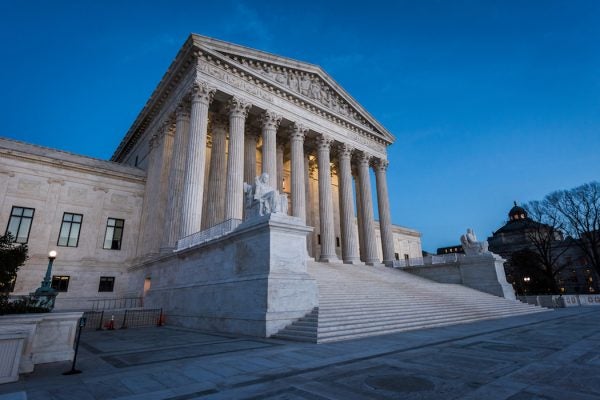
<point>237,112</point>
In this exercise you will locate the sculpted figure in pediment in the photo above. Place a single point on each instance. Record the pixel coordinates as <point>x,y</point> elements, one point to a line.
<point>304,85</point>
<point>293,82</point>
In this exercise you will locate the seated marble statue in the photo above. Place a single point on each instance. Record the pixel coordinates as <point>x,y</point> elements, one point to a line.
<point>264,198</point>
<point>471,246</point>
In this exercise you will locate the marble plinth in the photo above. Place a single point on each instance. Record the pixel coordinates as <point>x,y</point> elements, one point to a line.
<point>11,346</point>
<point>252,281</point>
<point>484,272</point>
<point>50,336</point>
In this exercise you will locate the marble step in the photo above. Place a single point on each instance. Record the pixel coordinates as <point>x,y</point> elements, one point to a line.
<point>386,303</point>
<point>346,334</point>
<point>332,319</point>
<point>406,321</point>
<point>357,302</point>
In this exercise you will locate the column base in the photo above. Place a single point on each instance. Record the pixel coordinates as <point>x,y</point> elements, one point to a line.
<point>372,261</point>
<point>388,263</point>
<point>166,250</point>
<point>333,259</point>
<point>353,261</point>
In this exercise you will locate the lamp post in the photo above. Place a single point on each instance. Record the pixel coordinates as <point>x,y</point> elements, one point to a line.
<point>44,296</point>
<point>526,280</point>
<point>46,288</point>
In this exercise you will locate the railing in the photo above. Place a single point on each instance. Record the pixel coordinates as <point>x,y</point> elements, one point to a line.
<point>116,303</point>
<point>211,233</point>
<point>121,319</point>
<point>429,260</point>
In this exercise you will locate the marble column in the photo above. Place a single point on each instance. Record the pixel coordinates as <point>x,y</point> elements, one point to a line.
<point>176,178</point>
<point>359,217</point>
<point>280,152</point>
<point>250,155</point>
<point>193,186</point>
<point>369,240</point>
<point>215,210</point>
<point>155,197</point>
<point>325,201</point>
<point>270,121</point>
<point>309,217</point>
<point>234,197</point>
<point>349,239</point>
<point>297,133</point>
<point>385,219</point>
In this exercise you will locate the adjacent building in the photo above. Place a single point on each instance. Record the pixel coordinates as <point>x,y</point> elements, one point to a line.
<point>575,275</point>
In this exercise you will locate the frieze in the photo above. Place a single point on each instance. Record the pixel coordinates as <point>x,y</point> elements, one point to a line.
<point>233,80</point>
<point>304,83</point>
<point>218,69</point>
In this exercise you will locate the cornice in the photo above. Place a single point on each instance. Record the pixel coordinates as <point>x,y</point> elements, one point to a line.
<point>184,60</point>
<point>45,156</point>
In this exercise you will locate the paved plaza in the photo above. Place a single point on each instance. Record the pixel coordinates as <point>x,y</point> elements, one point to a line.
<point>542,356</point>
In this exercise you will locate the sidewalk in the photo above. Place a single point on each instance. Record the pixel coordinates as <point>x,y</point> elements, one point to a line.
<point>553,355</point>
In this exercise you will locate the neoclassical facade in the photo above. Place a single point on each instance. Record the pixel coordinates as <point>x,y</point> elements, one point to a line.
<point>223,114</point>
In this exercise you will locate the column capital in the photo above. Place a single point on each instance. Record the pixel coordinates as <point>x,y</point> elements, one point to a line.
<point>345,150</point>
<point>218,124</point>
<point>202,92</point>
<point>182,111</point>
<point>363,158</point>
<point>238,107</point>
<point>381,164</point>
<point>253,132</point>
<point>297,132</point>
<point>270,119</point>
<point>324,142</point>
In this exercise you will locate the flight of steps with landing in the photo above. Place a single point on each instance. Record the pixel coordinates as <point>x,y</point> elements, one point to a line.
<point>357,301</point>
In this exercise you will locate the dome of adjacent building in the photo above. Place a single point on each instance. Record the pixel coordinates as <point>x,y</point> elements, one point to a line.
<point>517,213</point>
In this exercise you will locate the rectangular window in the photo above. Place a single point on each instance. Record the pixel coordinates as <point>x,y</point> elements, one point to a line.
<point>397,256</point>
<point>337,241</point>
<point>60,283</point>
<point>318,239</point>
<point>19,223</point>
<point>114,234</point>
<point>69,230</point>
<point>107,284</point>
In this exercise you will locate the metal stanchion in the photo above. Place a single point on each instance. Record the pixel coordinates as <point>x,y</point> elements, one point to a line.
<point>74,371</point>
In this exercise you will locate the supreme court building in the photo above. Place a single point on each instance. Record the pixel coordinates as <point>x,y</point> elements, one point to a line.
<point>221,115</point>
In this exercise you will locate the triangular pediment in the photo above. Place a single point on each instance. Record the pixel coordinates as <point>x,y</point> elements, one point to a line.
<point>304,80</point>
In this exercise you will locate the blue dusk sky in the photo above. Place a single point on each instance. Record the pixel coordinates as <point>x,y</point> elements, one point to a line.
<point>490,101</point>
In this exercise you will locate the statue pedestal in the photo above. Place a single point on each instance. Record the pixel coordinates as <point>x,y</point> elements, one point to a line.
<point>485,273</point>
<point>252,281</point>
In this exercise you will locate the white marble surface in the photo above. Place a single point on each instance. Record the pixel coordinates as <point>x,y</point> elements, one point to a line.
<point>252,282</point>
<point>12,340</point>
<point>49,336</point>
<point>484,273</point>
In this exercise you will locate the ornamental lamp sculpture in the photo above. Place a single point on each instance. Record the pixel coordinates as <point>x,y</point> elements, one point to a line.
<point>45,295</point>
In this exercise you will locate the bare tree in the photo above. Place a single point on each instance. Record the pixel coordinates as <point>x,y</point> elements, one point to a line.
<point>579,212</point>
<point>545,232</point>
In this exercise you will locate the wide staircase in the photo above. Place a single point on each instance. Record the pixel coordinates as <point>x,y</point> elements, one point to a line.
<point>357,301</point>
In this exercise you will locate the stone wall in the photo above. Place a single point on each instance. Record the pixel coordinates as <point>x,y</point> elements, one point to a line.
<point>252,281</point>
<point>484,273</point>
